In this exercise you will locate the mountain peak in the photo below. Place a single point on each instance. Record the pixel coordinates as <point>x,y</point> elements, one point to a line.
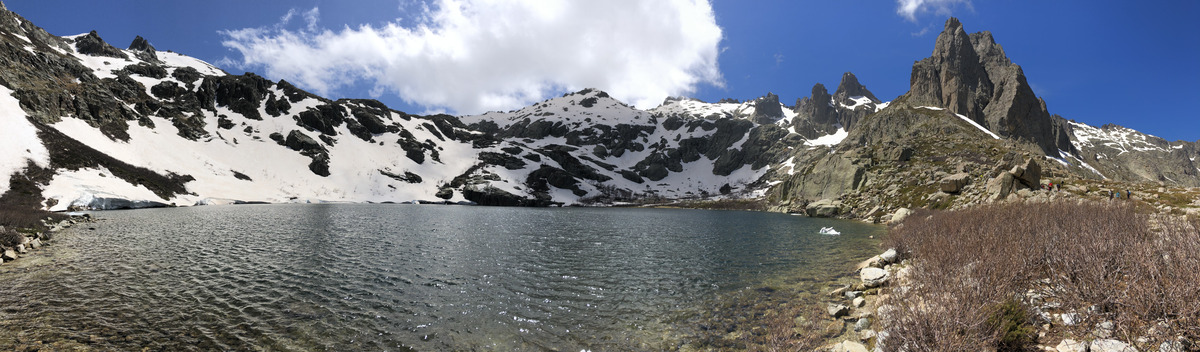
<point>143,49</point>
<point>952,24</point>
<point>850,87</point>
<point>92,44</point>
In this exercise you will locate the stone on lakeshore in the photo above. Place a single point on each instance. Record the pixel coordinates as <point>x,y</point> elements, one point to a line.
<point>849,346</point>
<point>859,302</point>
<point>838,310</point>
<point>825,208</point>
<point>21,249</point>
<point>866,335</point>
<point>873,262</point>
<point>1110,345</point>
<point>862,324</point>
<point>35,244</point>
<point>889,256</point>
<point>1069,345</point>
<point>900,215</point>
<point>872,277</point>
<point>9,255</point>
<point>839,291</point>
<point>853,294</point>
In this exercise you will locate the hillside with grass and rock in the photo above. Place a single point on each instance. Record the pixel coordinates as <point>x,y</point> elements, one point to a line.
<point>93,126</point>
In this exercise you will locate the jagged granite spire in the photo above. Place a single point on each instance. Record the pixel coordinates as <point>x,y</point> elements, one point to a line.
<point>971,75</point>
<point>849,87</point>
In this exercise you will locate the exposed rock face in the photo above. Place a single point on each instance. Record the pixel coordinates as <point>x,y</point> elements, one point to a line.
<point>143,49</point>
<point>970,75</point>
<point>767,109</point>
<point>828,178</point>
<point>822,113</point>
<point>816,114</point>
<point>853,101</point>
<point>91,44</point>
<point>825,208</point>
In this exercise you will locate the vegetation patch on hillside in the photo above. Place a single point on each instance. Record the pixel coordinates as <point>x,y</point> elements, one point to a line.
<point>1006,277</point>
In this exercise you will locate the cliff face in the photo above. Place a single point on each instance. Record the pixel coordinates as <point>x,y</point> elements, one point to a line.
<point>969,74</point>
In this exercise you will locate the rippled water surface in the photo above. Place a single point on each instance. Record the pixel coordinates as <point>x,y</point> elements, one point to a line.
<point>401,277</point>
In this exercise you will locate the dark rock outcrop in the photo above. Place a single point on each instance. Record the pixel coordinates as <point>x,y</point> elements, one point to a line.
<point>143,50</point>
<point>91,44</point>
<point>767,109</point>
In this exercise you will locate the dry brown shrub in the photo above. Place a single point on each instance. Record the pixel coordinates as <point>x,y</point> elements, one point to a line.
<point>1109,261</point>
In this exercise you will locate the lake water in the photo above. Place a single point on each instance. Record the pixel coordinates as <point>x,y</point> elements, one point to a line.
<point>407,277</point>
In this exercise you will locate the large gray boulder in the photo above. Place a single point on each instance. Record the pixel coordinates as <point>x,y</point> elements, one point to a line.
<point>825,208</point>
<point>955,183</point>
<point>849,346</point>
<point>873,277</point>
<point>1029,174</point>
<point>900,215</point>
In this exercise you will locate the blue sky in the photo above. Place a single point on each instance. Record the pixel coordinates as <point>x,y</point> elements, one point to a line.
<point>1130,63</point>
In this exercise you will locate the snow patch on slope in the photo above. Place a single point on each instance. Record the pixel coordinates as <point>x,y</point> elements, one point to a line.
<point>1120,138</point>
<point>829,140</point>
<point>81,187</point>
<point>1064,155</point>
<point>19,142</point>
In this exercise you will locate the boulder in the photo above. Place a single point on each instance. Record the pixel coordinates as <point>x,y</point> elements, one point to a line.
<point>1001,186</point>
<point>858,302</point>
<point>862,324</point>
<point>838,310</point>
<point>955,183</point>
<point>872,277</point>
<point>1110,345</point>
<point>1069,345</point>
<point>873,262</point>
<point>21,249</point>
<point>1030,174</point>
<point>900,215</point>
<point>825,208</point>
<point>35,244</point>
<point>889,256</point>
<point>9,255</point>
<point>849,346</point>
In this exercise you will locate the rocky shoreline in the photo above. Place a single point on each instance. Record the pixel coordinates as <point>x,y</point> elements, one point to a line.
<point>1065,299</point>
<point>32,241</point>
<point>864,308</point>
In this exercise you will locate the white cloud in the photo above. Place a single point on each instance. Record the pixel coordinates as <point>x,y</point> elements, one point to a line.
<point>910,8</point>
<point>471,56</point>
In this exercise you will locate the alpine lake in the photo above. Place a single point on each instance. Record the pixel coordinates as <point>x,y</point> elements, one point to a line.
<point>391,277</point>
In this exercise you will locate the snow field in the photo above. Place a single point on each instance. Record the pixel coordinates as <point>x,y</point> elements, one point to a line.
<point>19,142</point>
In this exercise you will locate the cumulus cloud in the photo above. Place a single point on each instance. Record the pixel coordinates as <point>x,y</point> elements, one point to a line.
<point>471,56</point>
<point>910,8</point>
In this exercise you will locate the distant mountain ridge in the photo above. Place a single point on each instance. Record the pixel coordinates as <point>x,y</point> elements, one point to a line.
<point>103,127</point>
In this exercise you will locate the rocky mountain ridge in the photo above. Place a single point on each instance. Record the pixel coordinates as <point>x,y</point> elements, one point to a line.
<point>141,127</point>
